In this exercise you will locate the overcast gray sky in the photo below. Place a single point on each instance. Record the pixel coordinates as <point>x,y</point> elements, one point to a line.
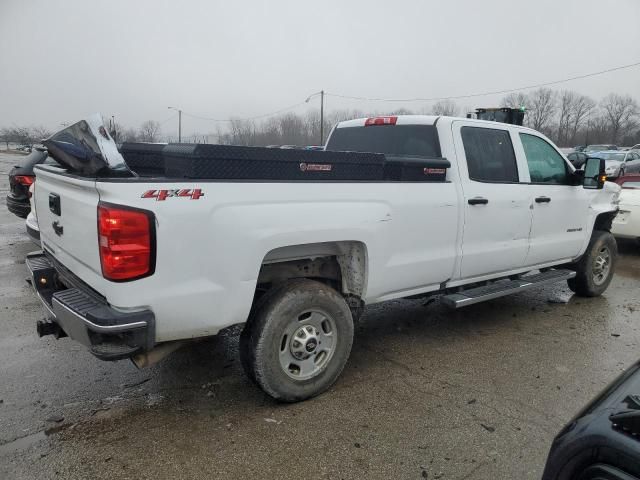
<point>133,59</point>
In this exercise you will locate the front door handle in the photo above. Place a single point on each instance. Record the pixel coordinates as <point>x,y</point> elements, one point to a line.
<point>543,199</point>
<point>477,201</point>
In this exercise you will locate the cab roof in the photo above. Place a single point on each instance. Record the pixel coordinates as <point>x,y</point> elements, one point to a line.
<point>424,120</point>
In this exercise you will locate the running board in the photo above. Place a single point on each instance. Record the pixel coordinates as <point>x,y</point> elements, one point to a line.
<point>502,288</point>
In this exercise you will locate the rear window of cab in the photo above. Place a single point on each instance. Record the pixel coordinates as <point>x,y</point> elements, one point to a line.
<point>419,140</point>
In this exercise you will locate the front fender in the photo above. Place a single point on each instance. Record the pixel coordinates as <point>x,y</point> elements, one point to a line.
<point>603,208</point>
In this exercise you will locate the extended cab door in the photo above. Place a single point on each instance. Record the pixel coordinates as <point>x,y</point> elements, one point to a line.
<point>560,210</point>
<point>497,213</point>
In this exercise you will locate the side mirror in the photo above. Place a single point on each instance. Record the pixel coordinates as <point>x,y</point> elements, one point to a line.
<point>594,173</point>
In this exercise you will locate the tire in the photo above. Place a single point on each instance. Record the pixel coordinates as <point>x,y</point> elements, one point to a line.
<point>596,268</point>
<point>297,340</point>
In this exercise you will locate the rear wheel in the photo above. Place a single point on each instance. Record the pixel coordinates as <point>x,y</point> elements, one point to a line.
<point>595,269</point>
<point>297,340</point>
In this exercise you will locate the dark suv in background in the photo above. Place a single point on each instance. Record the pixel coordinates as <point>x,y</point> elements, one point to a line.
<point>20,179</point>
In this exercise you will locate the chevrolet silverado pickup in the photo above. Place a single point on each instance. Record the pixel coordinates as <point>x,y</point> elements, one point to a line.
<point>150,245</point>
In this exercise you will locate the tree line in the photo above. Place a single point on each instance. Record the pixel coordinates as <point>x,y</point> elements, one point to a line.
<point>149,131</point>
<point>565,116</point>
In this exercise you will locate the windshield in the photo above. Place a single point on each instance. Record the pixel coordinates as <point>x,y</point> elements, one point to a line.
<point>420,140</point>
<point>596,148</point>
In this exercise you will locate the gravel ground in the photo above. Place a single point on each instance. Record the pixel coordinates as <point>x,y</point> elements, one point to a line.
<point>428,393</point>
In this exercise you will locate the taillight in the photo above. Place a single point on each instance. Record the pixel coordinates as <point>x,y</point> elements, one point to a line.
<point>25,180</point>
<point>126,239</point>
<point>389,120</point>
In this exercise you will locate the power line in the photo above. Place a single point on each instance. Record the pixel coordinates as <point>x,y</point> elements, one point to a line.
<point>282,110</point>
<point>431,99</point>
<point>484,94</point>
<point>167,119</point>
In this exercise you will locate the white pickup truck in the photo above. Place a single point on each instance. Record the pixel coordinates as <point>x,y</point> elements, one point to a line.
<point>152,245</point>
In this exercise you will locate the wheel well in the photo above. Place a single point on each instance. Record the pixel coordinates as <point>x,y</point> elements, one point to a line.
<point>340,264</point>
<point>604,220</point>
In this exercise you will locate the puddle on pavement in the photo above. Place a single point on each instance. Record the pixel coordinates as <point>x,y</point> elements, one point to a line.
<point>22,443</point>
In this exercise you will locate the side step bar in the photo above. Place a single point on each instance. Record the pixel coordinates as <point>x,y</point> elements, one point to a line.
<point>501,288</point>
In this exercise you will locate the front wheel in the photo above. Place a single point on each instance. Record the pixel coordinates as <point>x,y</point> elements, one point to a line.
<point>298,340</point>
<point>595,269</point>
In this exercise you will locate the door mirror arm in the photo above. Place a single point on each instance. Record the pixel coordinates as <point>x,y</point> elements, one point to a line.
<point>577,178</point>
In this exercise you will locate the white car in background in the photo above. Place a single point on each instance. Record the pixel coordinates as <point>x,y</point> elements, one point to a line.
<point>627,222</point>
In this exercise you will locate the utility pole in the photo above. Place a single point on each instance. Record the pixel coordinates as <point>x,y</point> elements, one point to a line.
<point>321,93</point>
<point>321,117</point>
<point>179,122</point>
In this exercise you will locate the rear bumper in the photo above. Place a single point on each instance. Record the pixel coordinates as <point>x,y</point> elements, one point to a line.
<point>18,207</point>
<point>74,310</point>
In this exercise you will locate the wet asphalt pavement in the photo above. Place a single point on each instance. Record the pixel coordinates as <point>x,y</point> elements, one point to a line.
<point>428,393</point>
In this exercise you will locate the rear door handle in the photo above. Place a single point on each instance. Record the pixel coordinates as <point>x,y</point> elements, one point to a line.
<point>543,199</point>
<point>477,201</point>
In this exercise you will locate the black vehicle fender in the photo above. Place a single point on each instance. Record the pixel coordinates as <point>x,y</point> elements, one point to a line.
<point>604,220</point>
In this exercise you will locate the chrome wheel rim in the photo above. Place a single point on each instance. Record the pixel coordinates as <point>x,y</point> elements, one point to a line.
<point>307,344</point>
<point>601,266</point>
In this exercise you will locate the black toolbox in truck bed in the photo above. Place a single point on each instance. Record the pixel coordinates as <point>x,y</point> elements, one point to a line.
<point>231,162</point>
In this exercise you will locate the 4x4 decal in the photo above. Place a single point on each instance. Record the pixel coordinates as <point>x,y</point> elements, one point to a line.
<point>159,195</point>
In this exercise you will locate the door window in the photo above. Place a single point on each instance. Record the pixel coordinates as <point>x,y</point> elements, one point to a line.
<point>490,155</point>
<point>546,165</point>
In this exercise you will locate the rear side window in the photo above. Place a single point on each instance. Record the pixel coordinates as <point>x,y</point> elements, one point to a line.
<point>421,140</point>
<point>546,165</point>
<point>490,156</point>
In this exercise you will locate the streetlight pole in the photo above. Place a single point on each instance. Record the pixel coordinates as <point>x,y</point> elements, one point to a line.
<point>321,93</point>
<point>321,117</point>
<point>179,122</point>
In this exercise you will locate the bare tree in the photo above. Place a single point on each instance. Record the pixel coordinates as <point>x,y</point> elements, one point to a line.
<point>242,132</point>
<point>542,107</point>
<point>582,109</point>
<point>445,107</point>
<point>15,134</point>
<point>620,112</point>
<point>149,131</point>
<point>124,134</point>
<point>39,133</point>
<point>566,108</point>
<point>515,100</point>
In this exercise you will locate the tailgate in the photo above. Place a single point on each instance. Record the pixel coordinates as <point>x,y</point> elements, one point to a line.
<point>66,208</point>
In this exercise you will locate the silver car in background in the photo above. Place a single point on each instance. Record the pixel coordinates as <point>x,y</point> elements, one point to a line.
<point>618,162</point>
